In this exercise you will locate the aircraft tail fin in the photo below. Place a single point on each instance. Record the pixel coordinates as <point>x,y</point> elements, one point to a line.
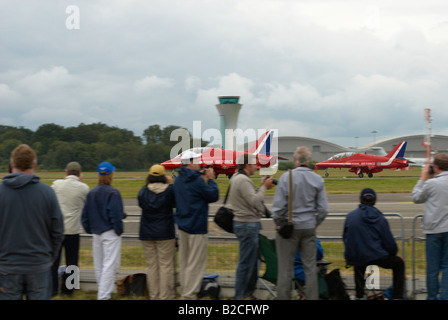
<point>263,144</point>
<point>398,151</point>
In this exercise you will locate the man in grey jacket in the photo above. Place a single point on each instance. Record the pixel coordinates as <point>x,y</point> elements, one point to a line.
<point>310,208</point>
<point>248,207</point>
<point>432,190</point>
<point>31,230</point>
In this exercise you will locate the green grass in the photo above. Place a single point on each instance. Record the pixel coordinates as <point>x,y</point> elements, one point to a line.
<point>339,181</point>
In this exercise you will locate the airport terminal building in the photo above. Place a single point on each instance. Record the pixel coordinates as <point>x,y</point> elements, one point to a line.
<point>322,150</point>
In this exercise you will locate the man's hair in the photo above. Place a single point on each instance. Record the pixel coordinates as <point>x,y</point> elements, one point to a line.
<point>154,179</point>
<point>244,159</point>
<point>105,179</point>
<point>73,172</point>
<point>441,160</point>
<point>302,155</point>
<point>368,200</point>
<point>23,157</point>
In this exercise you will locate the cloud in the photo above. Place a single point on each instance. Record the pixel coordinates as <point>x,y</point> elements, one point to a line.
<point>325,69</point>
<point>153,82</point>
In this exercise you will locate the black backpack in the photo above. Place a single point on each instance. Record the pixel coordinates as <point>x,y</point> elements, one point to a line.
<point>210,287</point>
<point>336,287</point>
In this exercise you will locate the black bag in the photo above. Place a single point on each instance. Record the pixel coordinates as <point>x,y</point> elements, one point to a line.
<point>224,219</point>
<point>133,284</point>
<point>287,226</point>
<point>286,229</point>
<point>210,287</point>
<point>336,287</point>
<point>224,216</point>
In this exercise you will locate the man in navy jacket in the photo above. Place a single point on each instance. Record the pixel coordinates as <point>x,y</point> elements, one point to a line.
<point>369,241</point>
<point>193,195</point>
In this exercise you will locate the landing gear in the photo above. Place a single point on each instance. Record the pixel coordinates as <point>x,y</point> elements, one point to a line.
<point>361,175</point>
<point>326,173</point>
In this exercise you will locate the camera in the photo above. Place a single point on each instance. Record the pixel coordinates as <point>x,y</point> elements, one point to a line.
<point>431,169</point>
<point>274,181</point>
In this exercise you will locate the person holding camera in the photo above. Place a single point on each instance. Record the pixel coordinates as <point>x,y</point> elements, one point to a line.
<point>310,207</point>
<point>432,190</point>
<point>248,207</point>
<point>193,192</point>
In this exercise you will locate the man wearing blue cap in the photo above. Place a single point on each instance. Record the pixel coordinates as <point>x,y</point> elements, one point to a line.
<point>102,216</point>
<point>369,241</point>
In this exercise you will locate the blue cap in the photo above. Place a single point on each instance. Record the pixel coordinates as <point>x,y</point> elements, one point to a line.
<point>105,168</point>
<point>368,192</point>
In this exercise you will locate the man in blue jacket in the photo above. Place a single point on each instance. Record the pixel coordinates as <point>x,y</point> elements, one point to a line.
<point>193,195</point>
<point>102,216</point>
<point>369,241</point>
<point>31,230</point>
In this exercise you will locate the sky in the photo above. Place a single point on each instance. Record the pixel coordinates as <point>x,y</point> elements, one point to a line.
<point>346,71</point>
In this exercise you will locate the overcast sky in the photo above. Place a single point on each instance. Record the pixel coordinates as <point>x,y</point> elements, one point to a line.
<point>325,69</point>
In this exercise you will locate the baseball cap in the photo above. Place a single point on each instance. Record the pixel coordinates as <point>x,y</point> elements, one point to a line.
<point>157,170</point>
<point>368,192</point>
<point>73,166</point>
<point>105,168</point>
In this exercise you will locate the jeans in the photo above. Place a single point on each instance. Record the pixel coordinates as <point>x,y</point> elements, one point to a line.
<point>247,268</point>
<point>436,262</point>
<point>34,286</point>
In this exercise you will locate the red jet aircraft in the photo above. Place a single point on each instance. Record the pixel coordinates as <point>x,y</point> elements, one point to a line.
<point>224,161</point>
<point>360,163</point>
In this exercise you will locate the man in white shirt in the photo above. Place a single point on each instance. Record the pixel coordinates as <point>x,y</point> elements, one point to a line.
<point>71,194</point>
<point>432,190</point>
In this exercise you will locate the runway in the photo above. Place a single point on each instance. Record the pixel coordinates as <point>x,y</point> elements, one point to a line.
<point>399,204</point>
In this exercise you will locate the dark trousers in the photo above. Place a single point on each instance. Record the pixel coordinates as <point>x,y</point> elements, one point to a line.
<point>391,262</point>
<point>70,244</point>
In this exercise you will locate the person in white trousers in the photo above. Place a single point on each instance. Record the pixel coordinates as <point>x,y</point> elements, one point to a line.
<point>102,216</point>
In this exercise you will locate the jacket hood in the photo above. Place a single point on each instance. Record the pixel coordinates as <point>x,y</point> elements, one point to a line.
<point>157,187</point>
<point>188,175</point>
<point>18,180</point>
<point>370,214</point>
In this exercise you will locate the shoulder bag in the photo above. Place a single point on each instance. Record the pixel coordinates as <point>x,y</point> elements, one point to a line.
<point>287,227</point>
<point>224,216</point>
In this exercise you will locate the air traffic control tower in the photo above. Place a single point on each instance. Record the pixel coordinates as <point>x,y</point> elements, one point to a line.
<point>228,109</point>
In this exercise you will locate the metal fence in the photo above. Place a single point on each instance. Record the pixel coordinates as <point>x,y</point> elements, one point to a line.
<point>223,256</point>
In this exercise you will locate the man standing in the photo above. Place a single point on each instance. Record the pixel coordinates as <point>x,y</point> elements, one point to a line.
<point>248,207</point>
<point>310,208</point>
<point>31,230</point>
<point>71,194</point>
<point>369,241</point>
<point>102,216</point>
<point>434,194</point>
<point>193,195</point>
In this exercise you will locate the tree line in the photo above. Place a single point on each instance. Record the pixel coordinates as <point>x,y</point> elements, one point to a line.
<point>90,144</point>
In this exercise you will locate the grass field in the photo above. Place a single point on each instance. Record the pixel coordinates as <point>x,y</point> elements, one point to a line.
<point>338,182</point>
